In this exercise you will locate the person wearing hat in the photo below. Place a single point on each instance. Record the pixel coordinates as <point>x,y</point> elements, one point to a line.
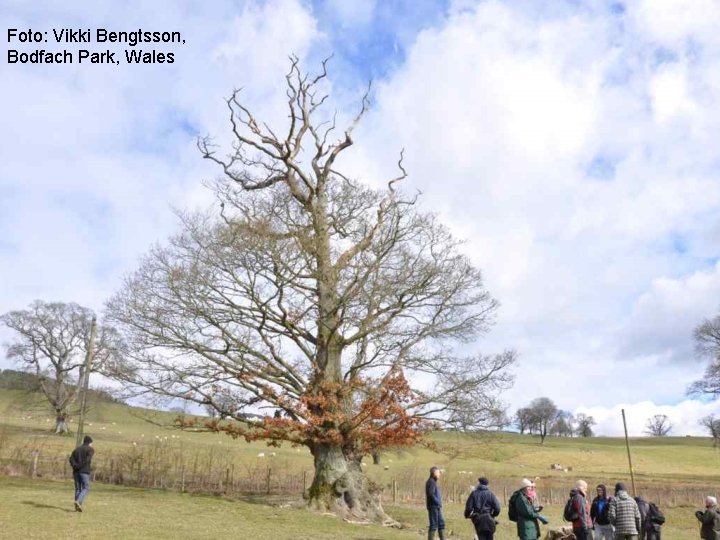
<point>528,527</point>
<point>624,514</point>
<point>433,503</point>
<point>80,461</point>
<point>709,519</point>
<point>482,507</point>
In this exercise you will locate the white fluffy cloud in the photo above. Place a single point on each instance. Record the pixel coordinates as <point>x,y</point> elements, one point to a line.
<point>571,154</point>
<point>683,417</point>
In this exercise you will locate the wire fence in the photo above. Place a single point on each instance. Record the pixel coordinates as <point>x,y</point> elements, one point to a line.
<point>209,470</point>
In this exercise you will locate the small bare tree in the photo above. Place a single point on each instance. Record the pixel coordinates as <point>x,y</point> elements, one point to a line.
<point>524,420</point>
<point>707,344</point>
<point>52,339</point>
<point>313,294</point>
<point>584,423</point>
<point>712,424</point>
<point>658,425</point>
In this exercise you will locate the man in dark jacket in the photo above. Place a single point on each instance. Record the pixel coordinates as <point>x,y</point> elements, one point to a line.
<point>433,503</point>
<point>599,515</point>
<point>648,529</point>
<point>80,460</point>
<point>582,524</point>
<point>710,519</point>
<point>482,507</point>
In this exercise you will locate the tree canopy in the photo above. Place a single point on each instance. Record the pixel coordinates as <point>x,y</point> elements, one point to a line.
<point>343,306</point>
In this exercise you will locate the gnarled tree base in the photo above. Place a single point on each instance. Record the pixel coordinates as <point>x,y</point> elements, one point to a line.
<point>341,487</point>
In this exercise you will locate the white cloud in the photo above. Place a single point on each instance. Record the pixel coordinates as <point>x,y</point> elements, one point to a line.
<point>669,92</point>
<point>95,157</point>
<point>672,22</point>
<point>538,139</point>
<point>684,417</point>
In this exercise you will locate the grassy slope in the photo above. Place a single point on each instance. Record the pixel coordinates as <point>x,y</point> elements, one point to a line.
<point>24,422</point>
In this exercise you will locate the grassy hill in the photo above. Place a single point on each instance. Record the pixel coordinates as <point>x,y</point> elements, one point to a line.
<point>140,447</point>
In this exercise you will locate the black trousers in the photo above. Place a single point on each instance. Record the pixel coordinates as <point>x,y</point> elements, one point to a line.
<point>484,526</point>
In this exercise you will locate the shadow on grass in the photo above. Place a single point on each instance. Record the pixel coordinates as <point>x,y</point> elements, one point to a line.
<point>47,506</point>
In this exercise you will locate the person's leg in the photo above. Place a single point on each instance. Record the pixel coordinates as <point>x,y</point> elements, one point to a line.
<point>85,487</point>
<point>441,524</point>
<point>76,479</point>
<point>432,518</point>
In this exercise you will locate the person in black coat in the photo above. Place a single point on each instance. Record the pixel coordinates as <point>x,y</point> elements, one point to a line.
<point>80,461</point>
<point>482,507</point>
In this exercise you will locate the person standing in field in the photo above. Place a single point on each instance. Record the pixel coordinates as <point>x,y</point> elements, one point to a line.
<point>582,525</point>
<point>650,526</point>
<point>624,514</point>
<point>528,527</point>
<point>710,520</point>
<point>482,507</point>
<point>599,515</point>
<point>433,503</point>
<point>80,461</point>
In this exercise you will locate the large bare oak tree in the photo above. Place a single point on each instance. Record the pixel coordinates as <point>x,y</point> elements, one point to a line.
<point>52,339</point>
<point>311,294</point>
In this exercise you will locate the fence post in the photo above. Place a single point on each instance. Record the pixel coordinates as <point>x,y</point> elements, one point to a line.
<point>227,479</point>
<point>394,490</point>
<point>33,472</point>
<point>269,472</point>
<point>182,479</point>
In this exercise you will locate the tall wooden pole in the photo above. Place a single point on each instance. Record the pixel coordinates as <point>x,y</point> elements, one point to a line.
<point>86,381</point>
<point>627,445</point>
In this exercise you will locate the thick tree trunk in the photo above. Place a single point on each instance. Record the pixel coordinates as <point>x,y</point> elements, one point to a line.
<point>341,487</point>
<point>61,422</point>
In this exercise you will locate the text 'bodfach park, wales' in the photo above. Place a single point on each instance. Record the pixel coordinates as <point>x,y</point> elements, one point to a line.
<point>26,38</point>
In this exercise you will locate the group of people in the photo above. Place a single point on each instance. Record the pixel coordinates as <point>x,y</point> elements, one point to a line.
<point>618,517</point>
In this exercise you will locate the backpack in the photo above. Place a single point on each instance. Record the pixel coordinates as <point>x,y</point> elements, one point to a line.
<point>569,513</point>
<point>512,509</point>
<point>655,515</point>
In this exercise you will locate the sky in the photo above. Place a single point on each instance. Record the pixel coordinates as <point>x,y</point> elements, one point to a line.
<point>571,144</point>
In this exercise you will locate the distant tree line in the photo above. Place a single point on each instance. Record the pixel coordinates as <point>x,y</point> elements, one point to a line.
<point>542,417</point>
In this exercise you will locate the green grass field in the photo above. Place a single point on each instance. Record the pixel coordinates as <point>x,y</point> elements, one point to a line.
<point>38,508</point>
<point>43,509</point>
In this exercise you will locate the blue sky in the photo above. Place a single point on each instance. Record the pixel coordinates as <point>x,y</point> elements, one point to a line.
<point>572,144</point>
